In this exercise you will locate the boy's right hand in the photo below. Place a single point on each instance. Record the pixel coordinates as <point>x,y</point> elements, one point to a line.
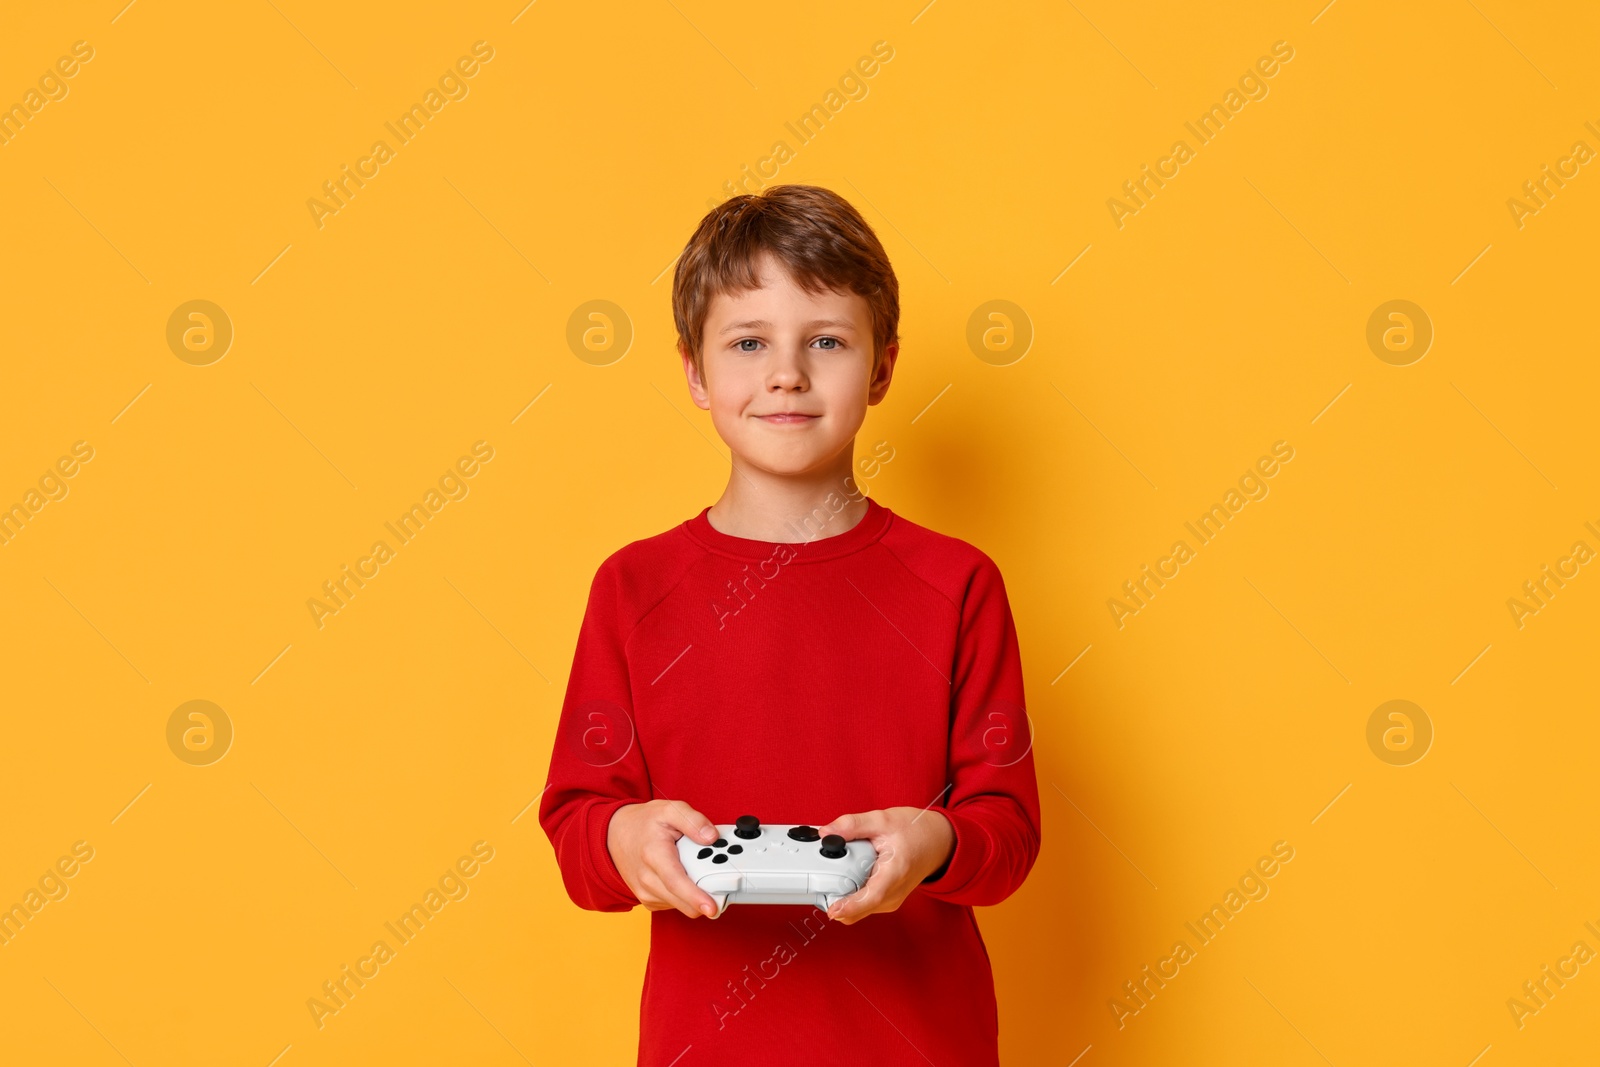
<point>643,841</point>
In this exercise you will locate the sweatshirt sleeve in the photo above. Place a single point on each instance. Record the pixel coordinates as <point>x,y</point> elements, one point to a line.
<point>993,799</point>
<point>596,766</point>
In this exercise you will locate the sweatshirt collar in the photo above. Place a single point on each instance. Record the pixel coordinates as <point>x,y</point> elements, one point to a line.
<point>818,539</point>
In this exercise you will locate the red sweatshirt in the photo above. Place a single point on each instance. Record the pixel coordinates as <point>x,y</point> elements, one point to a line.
<point>853,671</point>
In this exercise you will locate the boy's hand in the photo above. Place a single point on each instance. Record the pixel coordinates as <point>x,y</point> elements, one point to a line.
<point>912,843</point>
<point>643,841</point>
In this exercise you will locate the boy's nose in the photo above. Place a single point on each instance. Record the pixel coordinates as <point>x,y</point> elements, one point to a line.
<point>787,368</point>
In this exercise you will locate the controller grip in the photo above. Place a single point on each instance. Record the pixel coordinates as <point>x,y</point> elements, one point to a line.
<point>721,901</point>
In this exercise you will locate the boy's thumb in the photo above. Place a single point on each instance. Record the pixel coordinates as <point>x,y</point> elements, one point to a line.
<point>844,826</point>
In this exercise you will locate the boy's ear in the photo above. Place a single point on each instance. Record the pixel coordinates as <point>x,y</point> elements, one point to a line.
<point>697,385</point>
<point>878,388</point>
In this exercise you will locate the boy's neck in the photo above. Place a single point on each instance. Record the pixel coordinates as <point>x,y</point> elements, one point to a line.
<point>763,506</point>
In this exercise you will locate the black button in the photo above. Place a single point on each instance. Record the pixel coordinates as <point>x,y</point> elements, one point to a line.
<point>703,853</point>
<point>720,843</point>
<point>803,833</point>
<point>721,857</point>
<point>734,850</point>
<point>747,827</point>
<point>833,847</point>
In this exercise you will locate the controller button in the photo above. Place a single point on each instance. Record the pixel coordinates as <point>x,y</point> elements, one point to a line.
<point>702,854</point>
<point>719,843</point>
<point>735,849</point>
<point>747,827</point>
<point>803,833</point>
<point>720,857</point>
<point>833,847</point>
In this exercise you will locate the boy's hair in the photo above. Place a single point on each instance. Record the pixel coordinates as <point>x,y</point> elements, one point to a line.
<point>820,239</point>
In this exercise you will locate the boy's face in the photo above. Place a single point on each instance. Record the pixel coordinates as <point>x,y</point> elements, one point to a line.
<point>779,349</point>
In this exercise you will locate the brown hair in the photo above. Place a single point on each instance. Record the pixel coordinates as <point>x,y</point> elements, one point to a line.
<point>821,240</point>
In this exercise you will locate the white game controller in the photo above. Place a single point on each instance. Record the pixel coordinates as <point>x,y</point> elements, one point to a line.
<point>754,864</point>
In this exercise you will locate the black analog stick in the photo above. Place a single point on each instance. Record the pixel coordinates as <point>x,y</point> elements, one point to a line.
<point>747,827</point>
<point>833,847</point>
<point>803,833</point>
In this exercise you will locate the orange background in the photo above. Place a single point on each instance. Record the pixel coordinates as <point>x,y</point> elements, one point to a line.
<point>1230,312</point>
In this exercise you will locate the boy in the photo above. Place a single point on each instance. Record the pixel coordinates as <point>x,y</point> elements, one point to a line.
<point>800,653</point>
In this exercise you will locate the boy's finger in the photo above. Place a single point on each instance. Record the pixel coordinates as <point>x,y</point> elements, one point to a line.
<point>866,899</point>
<point>676,884</point>
<point>684,819</point>
<point>857,905</point>
<point>667,897</point>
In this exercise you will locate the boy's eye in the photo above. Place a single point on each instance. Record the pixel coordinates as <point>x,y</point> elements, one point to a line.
<point>828,344</point>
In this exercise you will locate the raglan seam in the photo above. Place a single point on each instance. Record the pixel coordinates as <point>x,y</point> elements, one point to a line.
<point>687,570</point>
<point>940,592</point>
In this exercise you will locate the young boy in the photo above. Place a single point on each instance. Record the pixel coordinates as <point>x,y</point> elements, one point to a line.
<point>800,653</point>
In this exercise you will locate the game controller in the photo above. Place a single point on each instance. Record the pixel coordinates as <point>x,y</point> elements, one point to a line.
<point>779,864</point>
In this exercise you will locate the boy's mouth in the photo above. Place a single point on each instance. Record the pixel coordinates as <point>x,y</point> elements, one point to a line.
<point>783,418</point>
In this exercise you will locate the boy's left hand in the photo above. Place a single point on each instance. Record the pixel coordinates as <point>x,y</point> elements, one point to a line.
<point>912,843</point>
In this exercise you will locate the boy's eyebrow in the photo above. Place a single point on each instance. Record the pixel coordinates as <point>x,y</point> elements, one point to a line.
<point>763,324</point>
